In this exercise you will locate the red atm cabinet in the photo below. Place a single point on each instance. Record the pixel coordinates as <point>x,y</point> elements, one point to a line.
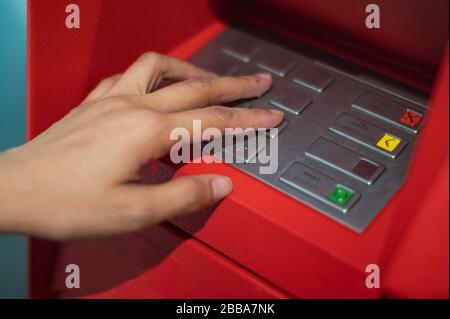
<point>273,247</point>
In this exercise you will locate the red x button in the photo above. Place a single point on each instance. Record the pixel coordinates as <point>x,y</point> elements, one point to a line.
<point>410,118</point>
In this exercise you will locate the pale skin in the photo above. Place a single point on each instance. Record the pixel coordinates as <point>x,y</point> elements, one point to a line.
<point>80,178</point>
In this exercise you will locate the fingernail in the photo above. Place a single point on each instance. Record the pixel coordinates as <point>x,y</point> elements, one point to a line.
<point>276,112</point>
<point>264,76</point>
<point>221,187</point>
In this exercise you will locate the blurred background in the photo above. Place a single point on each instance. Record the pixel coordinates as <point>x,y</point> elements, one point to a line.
<point>13,249</point>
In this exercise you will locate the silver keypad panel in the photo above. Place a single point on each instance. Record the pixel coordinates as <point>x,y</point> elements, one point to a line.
<point>346,141</point>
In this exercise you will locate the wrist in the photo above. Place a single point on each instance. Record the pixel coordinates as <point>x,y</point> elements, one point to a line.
<point>11,212</point>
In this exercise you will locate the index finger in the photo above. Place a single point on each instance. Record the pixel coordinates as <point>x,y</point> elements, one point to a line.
<point>219,117</point>
<point>198,93</point>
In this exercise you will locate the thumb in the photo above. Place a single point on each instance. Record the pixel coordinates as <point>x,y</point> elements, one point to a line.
<point>183,195</point>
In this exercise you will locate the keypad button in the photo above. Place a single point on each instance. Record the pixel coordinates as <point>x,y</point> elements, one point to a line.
<point>338,157</point>
<point>277,64</point>
<point>291,100</point>
<point>241,149</point>
<point>411,118</point>
<point>242,49</point>
<point>248,69</point>
<point>365,169</point>
<point>392,110</point>
<point>340,195</point>
<point>312,78</point>
<point>319,186</point>
<point>248,149</point>
<point>221,66</point>
<point>368,135</point>
<point>272,133</point>
<point>389,142</point>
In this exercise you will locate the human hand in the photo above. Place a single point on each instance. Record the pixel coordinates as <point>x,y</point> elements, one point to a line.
<point>80,178</point>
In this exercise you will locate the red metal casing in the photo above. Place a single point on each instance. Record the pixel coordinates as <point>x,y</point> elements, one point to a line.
<point>257,243</point>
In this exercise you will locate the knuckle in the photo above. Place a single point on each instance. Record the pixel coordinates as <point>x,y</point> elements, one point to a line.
<point>106,82</point>
<point>150,58</point>
<point>121,100</point>
<point>204,84</point>
<point>146,121</point>
<point>222,113</point>
<point>113,104</point>
<point>198,188</point>
<point>204,87</point>
<point>140,116</point>
<point>199,84</point>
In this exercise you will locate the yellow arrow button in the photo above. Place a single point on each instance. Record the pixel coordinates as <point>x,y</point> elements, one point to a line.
<point>388,142</point>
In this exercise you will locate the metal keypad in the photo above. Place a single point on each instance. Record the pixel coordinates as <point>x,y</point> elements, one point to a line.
<point>365,134</point>
<point>345,160</point>
<point>313,78</point>
<point>240,150</point>
<point>345,143</point>
<point>276,63</point>
<point>291,100</point>
<point>389,109</point>
<point>280,127</point>
<point>315,184</point>
<point>221,65</point>
<point>242,50</point>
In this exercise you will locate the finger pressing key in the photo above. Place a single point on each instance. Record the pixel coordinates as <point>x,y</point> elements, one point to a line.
<point>219,117</point>
<point>197,93</point>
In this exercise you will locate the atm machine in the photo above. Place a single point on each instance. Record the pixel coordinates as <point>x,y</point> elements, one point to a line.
<point>362,181</point>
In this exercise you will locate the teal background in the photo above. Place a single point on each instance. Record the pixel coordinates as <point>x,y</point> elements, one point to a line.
<point>13,249</point>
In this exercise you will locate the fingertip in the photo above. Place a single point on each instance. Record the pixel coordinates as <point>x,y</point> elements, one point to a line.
<point>221,187</point>
<point>267,117</point>
<point>276,117</point>
<point>276,112</point>
<point>264,76</point>
<point>264,83</point>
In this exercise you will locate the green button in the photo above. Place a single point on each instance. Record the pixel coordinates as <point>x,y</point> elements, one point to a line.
<point>340,195</point>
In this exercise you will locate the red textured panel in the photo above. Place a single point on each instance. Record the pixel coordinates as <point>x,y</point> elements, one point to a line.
<point>421,265</point>
<point>156,263</point>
